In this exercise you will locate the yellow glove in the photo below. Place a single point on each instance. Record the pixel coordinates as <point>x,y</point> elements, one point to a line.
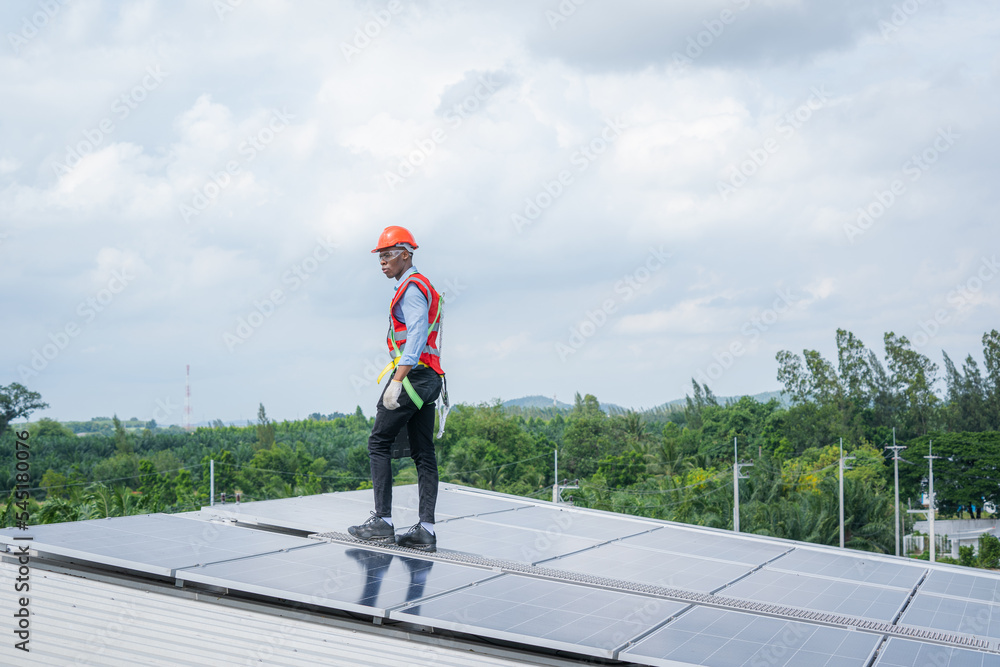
<point>390,399</point>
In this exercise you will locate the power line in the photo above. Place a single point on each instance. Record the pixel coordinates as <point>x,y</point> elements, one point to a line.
<point>721,473</point>
<point>367,477</point>
<point>101,481</point>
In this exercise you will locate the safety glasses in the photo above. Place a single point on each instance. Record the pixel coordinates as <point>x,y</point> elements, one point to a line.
<point>389,255</point>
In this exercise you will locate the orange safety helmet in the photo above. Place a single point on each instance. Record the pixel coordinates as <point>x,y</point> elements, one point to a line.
<point>395,236</point>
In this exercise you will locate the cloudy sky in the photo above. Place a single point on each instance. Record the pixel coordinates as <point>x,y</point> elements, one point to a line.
<point>615,197</point>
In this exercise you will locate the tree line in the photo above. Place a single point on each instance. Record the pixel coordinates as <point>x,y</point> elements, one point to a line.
<point>673,464</point>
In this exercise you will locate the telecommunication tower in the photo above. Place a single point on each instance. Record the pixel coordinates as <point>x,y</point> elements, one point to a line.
<point>187,398</point>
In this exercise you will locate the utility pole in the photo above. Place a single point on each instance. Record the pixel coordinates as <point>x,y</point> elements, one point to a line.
<point>930,496</point>
<point>555,478</point>
<point>211,482</point>
<point>895,463</point>
<point>737,476</point>
<point>842,469</point>
<point>187,397</point>
<point>557,488</point>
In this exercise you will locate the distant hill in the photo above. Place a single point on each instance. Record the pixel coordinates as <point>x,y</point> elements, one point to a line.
<point>544,402</point>
<point>536,401</point>
<point>762,397</point>
<point>536,405</point>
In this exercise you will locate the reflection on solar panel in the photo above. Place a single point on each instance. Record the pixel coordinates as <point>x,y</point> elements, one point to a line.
<point>337,576</point>
<point>547,613</point>
<point>835,596</point>
<point>712,545</point>
<point>959,584</point>
<point>853,566</point>
<point>550,519</point>
<point>615,560</point>
<point>311,514</point>
<point>944,613</point>
<point>455,503</point>
<point>907,653</point>
<point>155,543</point>
<point>335,511</point>
<point>452,502</point>
<point>718,638</point>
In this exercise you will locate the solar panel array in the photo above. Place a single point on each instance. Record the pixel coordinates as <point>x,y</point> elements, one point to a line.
<point>562,579</point>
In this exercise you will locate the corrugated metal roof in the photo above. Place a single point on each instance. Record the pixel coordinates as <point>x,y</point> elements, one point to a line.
<point>84,621</point>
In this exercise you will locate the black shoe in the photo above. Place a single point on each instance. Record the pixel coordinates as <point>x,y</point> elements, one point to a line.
<point>374,529</point>
<point>417,537</point>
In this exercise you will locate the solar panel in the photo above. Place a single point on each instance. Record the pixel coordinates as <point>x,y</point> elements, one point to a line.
<point>508,542</point>
<point>549,607</point>
<point>570,522</point>
<point>850,566</point>
<point>945,613</point>
<point>558,615</point>
<point>153,543</point>
<point>338,577</point>
<point>455,503</point>
<point>336,511</point>
<point>820,593</point>
<point>451,502</point>
<point>907,653</point>
<point>959,584</point>
<point>312,514</point>
<point>617,561</point>
<point>719,638</point>
<point>732,547</point>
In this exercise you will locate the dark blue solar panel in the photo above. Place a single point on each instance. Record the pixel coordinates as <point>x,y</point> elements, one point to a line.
<point>155,543</point>
<point>719,638</point>
<point>340,577</point>
<point>554,614</point>
<point>907,653</point>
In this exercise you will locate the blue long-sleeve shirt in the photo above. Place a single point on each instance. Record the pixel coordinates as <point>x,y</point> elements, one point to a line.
<point>412,309</point>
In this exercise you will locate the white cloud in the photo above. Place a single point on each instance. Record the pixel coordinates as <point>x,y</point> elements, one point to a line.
<point>656,185</point>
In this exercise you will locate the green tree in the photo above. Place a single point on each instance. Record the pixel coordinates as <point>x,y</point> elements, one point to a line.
<point>991,355</point>
<point>118,468</point>
<point>265,429</point>
<point>967,472</point>
<point>16,401</point>
<point>587,439</point>
<point>989,551</point>
<point>59,510</point>
<point>49,428</point>
<point>118,500</point>
<point>622,470</point>
<point>155,486</point>
<point>703,398</point>
<point>123,442</point>
<point>966,404</point>
<point>912,375</point>
<point>485,446</point>
<point>226,473</point>
<point>55,484</point>
<point>184,492</point>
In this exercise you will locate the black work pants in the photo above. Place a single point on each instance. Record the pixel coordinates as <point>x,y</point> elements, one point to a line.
<point>419,425</point>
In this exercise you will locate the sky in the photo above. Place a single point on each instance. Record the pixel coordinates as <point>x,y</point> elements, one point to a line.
<point>614,198</point>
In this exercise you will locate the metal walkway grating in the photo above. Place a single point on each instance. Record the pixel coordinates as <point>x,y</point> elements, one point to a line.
<point>681,595</point>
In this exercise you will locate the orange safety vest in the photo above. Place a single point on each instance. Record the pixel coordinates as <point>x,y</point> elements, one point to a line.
<point>396,337</point>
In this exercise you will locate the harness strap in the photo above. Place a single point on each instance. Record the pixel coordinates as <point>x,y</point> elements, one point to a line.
<point>407,385</point>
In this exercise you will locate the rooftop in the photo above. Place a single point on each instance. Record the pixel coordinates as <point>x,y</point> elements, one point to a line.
<point>515,581</point>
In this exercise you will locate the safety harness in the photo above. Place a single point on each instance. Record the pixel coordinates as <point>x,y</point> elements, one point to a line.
<point>433,354</point>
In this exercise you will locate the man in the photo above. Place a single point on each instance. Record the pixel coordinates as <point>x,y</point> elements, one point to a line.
<point>407,401</point>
